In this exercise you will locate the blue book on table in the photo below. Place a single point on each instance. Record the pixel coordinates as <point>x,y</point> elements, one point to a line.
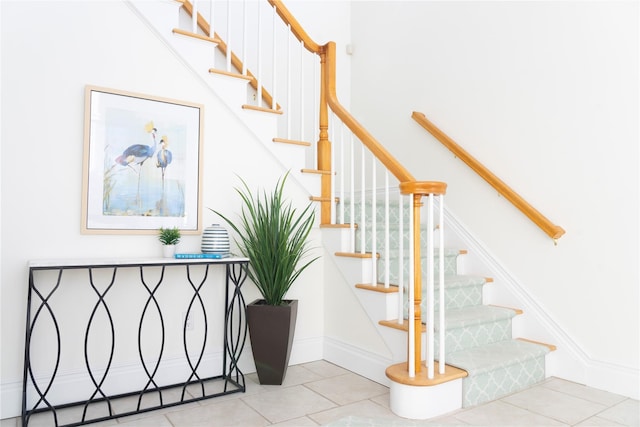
<point>202,256</point>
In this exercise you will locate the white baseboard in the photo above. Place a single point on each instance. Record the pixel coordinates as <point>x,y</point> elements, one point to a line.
<point>362,362</point>
<point>305,350</point>
<point>615,379</point>
<point>10,399</point>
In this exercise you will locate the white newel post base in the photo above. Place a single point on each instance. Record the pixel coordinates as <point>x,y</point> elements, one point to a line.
<point>423,402</point>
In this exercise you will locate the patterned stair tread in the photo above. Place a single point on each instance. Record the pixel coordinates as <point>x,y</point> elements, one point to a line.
<point>453,282</point>
<point>497,355</point>
<point>380,225</point>
<point>448,252</point>
<point>462,281</point>
<point>475,315</point>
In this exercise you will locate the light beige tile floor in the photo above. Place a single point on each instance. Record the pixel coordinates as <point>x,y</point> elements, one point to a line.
<point>320,393</point>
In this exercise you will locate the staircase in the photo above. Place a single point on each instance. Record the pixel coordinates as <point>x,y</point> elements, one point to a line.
<point>478,337</point>
<point>483,360</point>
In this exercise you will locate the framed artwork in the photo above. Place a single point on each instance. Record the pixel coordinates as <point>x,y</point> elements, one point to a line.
<point>142,163</point>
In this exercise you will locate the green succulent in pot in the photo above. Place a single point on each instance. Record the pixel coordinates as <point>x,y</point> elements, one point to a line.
<point>273,235</point>
<point>169,236</point>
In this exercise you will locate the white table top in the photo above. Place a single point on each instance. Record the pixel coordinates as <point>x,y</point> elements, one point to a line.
<point>100,262</point>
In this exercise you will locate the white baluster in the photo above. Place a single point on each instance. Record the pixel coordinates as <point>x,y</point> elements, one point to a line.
<point>441,284</point>
<point>259,67</point>
<point>411,289</point>
<point>386,229</point>
<point>332,195</point>
<point>342,173</point>
<point>352,215</point>
<point>289,109</point>
<point>229,36</point>
<point>244,37</point>
<point>430,291</point>
<point>374,222</point>
<point>363,205</point>
<point>194,17</point>
<point>401,259</point>
<point>301,91</point>
<point>211,21</point>
<point>274,102</point>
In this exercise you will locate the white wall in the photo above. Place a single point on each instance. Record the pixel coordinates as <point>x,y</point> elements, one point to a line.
<point>483,70</point>
<point>50,51</point>
<point>545,94</point>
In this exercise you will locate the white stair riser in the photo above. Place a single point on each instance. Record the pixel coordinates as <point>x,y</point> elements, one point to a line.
<point>230,89</point>
<point>378,305</point>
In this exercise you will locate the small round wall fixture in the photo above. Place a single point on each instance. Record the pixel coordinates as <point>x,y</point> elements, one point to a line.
<point>215,240</point>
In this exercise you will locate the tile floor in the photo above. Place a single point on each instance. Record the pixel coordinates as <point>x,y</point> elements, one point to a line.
<point>320,393</point>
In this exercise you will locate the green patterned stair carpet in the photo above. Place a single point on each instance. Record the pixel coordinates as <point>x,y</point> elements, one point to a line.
<point>478,337</point>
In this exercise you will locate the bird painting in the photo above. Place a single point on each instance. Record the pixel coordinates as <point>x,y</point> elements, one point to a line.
<point>137,154</point>
<point>164,156</point>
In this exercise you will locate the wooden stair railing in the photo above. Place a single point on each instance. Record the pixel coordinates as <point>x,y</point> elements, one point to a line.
<point>328,99</point>
<point>552,230</point>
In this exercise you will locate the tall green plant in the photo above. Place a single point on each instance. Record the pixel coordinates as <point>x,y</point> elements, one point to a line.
<point>273,235</point>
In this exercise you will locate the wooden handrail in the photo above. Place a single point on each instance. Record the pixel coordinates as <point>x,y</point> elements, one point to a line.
<point>235,61</point>
<point>399,171</point>
<point>552,230</point>
<point>296,28</point>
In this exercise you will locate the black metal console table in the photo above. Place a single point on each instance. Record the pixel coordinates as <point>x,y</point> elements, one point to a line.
<point>100,337</point>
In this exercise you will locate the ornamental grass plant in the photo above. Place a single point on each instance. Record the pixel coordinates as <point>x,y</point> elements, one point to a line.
<point>273,235</point>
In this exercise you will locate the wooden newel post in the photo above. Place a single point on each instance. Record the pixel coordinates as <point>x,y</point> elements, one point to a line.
<point>418,189</point>
<point>324,145</point>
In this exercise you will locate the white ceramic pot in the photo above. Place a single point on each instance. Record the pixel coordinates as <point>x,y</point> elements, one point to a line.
<point>168,251</point>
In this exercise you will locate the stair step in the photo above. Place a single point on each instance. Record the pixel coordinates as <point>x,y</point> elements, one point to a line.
<point>476,315</point>
<point>460,291</point>
<point>498,369</point>
<point>450,264</point>
<point>378,288</point>
<point>335,226</point>
<point>473,327</point>
<point>365,255</point>
<point>229,73</point>
<point>468,328</point>
<point>195,35</point>
<point>263,109</point>
<point>400,374</point>
<point>322,199</point>
<point>551,347</point>
<point>315,171</point>
<point>489,357</point>
<point>292,141</point>
<point>394,324</point>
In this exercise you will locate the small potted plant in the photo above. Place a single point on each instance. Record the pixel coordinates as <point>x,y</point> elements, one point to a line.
<point>169,237</point>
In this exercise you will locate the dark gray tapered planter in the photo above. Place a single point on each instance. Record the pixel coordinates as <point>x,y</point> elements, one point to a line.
<point>271,330</point>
